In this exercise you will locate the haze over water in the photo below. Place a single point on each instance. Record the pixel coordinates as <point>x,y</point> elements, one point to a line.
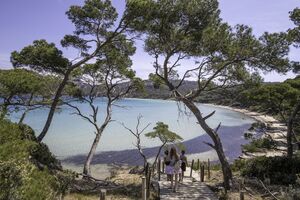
<point>70,135</point>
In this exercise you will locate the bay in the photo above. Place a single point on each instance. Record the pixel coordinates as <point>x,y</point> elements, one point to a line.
<point>70,135</point>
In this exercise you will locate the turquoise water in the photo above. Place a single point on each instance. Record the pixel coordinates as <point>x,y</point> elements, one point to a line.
<point>71,135</point>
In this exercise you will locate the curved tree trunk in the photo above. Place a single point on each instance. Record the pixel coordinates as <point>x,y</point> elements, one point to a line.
<point>53,105</point>
<point>227,173</point>
<point>59,93</point>
<point>87,164</point>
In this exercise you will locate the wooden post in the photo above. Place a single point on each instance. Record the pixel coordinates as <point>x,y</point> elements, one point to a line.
<point>147,169</point>
<point>102,194</point>
<point>202,173</point>
<point>192,165</point>
<point>242,195</point>
<point>144,188</point>
<point>198,164</point>
<point>148,180</point>
<point>241,187</point>
<point>158,169</point>
<point>208,169</point>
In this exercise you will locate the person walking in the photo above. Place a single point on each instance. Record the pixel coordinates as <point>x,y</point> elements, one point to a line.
<point>184,164</point>
<point>175,164</point>
<point>168,168</point>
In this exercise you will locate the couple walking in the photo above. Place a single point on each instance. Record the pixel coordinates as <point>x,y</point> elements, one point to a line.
<point>175,166</point>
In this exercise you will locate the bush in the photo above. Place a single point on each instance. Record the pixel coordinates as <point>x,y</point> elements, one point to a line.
<point>28,170</point>
<point>280,170</point>
<point>259,144</point>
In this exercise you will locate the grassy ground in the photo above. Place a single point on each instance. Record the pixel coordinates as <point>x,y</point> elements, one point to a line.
<point>216,179</point>
<point>130,190</point>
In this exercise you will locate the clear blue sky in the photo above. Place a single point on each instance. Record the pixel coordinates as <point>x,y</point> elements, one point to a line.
<point>22,21</point>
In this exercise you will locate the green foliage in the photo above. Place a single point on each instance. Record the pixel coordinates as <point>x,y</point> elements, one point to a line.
<point>40,56</point>
<point>294,35</point>
<point>27,168</point>
<point>277,98</point>
<point>20,82</point>
<point>156,80</point>
<point>176,30</point>
<point>257,145</point>
<point>162,132</point>
<point>23,89</point>
<point>280,170</point>
<point>238,165</point>
<point>93,12</point>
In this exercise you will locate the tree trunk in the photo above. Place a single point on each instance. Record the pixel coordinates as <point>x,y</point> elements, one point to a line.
<point>157,155</point>
<point>227,174</point>
<point>59,93</point>
<point>54,104</point>
<point>141,151</point>
<point>87,164</point>
<point>22,117</point>
<point>290,129</point>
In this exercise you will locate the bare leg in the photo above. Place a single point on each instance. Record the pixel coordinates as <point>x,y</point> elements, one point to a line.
<point>172,176</point>
<point>176,183</point>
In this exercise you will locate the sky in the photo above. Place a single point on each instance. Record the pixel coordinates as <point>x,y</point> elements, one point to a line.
<point>23,21</point>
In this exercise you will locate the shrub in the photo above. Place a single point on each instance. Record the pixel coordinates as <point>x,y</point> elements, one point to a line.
<point>280,170</point>
<point>28,170</point>
<point>259,144</point>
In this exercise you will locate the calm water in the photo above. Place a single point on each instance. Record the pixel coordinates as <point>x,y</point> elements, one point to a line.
<point>71,135</point>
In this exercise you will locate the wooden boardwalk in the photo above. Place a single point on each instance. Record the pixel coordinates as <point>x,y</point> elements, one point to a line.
<point>188,189</point>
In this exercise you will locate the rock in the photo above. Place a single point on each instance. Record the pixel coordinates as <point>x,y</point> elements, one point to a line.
<point>136,170</point>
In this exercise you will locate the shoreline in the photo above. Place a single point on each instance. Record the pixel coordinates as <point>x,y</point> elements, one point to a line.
<point>231,137</point>
<point>275,129</point>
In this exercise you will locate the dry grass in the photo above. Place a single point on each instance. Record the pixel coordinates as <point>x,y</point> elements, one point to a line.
<point>217,178</point>
<point>130,190</point>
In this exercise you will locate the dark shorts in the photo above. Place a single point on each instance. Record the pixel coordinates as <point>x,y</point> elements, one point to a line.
<point>183,166</point>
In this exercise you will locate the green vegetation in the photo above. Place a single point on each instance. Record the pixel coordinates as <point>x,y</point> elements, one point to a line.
<point>280,170</point>
<point>227,61</point>
<point>23,91</point>
<point>259,144</point>
<point>28,171</point>
<point>161,131</point>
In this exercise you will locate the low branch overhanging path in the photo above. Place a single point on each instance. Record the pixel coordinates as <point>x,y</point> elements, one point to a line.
<point>188,189</point>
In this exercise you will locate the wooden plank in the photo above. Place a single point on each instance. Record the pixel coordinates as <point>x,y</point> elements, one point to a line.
<point>144,189</point>
<point>192,165</point>
<point>188,189</point>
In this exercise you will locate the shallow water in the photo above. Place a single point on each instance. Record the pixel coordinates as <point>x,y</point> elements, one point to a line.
<point>70,135</point>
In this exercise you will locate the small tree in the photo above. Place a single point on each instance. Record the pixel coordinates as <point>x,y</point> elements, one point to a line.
<point>105,76</point>
<point>162,132</point>
<point>96,27</point>
<point>23,91</point>
<point>137,134</point>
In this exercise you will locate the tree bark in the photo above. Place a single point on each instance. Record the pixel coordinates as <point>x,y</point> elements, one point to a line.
<point>139,147</point>
<point>59,93</point>
<point>227,173</point>
<point>290,130</point>
<point>87,164</point>
<point>22,117</point>
<point>157,155</point>
<point>54,104</point>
